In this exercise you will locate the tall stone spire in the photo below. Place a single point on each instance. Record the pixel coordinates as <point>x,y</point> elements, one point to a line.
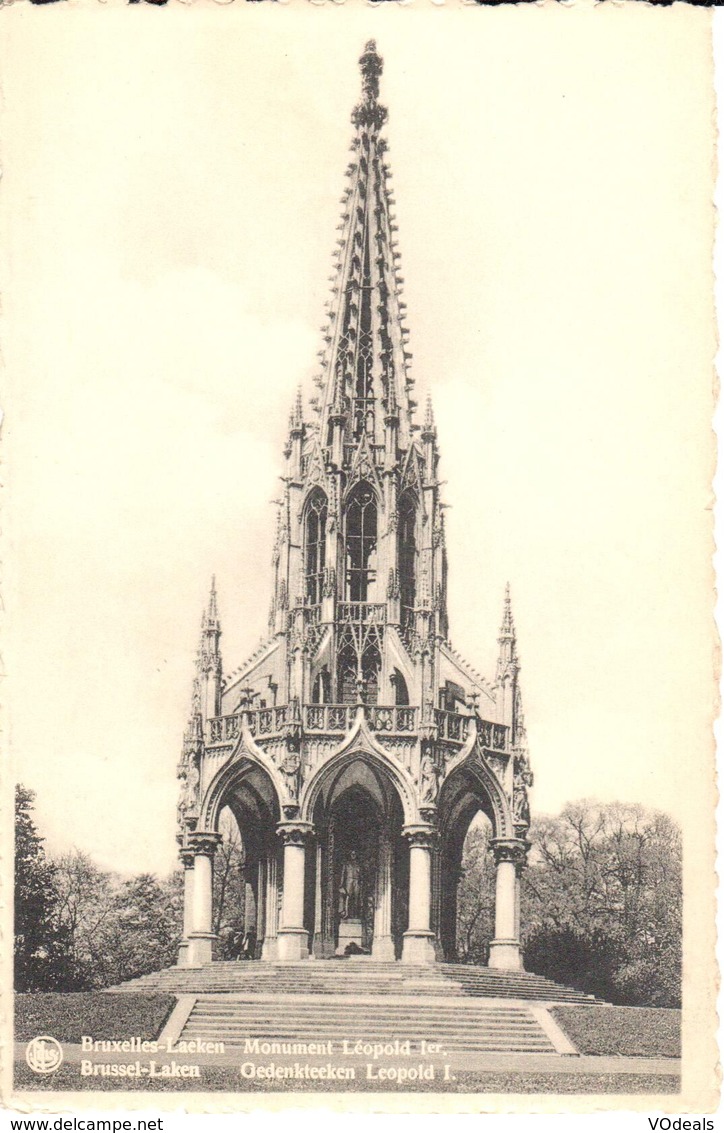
<point>507,656</point>
<point>208,664</point>
<point>364,374</point>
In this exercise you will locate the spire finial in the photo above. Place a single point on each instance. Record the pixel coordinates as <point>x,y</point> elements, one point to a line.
<point>429,425</point>
<point>213,605</point>
<point>368,111</point>
<point>507,628</point>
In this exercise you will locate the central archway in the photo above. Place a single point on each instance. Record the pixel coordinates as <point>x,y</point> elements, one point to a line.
<point>360,869</point>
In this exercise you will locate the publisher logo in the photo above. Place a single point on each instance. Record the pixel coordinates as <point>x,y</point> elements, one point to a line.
<point>44,1054</point>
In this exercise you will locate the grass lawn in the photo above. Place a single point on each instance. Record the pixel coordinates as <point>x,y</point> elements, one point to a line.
<point>105,1015</point>
<point>226,1078</point>
<point>645,1032</point>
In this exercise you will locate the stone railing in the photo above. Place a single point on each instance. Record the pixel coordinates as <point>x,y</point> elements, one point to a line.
<point>371,613</point>
<point>338,719</point>
<point>341,717</point>
<point>316,718</point>
<point>455,728</point>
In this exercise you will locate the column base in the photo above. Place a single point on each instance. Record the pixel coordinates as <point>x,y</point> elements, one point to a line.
<point>383,948</point>
<point>269,949</point>
<point>293,944</point>
<point>183,954</point>
<point>506,954</point>
<point>200,949</point>
<point>418,947</point>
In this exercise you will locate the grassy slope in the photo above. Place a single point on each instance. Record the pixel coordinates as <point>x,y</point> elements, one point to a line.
<point>104,1015</point>
<point>646,1032</point>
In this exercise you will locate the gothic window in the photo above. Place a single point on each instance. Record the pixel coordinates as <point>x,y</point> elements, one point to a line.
<point>399,688</point>
<point>371,673</point>
<point>314,537</point>
<point>407,553</point>
<point>361,543</point>
<point>364,414</point>
<point>347,676</point>
<point>321,687</point>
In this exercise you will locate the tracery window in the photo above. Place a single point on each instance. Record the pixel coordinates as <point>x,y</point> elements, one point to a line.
<point>314,539</point>
<point>361,543</point>
<point>407,553</point>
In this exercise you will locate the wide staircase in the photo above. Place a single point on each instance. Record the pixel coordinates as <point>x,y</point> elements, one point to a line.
<point>468,1026</point>
<point>355,977</point>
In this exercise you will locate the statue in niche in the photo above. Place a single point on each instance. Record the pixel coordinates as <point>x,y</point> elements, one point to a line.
<point>521,807</point>
<point>428,779</point>
<point>188,774</point>
<point>349,888</point>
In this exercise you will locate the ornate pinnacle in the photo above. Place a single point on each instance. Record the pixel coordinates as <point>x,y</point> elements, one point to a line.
<point>429,424</point>
<point>368,111</point>
<point>213,605</point>
<point>507,629</point>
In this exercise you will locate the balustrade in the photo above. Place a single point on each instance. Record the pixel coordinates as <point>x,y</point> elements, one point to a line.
<point>330,718</point>
<point>368,612</point>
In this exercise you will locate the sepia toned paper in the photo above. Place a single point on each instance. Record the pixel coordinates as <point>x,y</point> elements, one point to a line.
<point>170,201</point>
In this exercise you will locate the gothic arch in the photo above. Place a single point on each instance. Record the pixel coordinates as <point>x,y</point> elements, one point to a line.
<point>362,747</point>
<point>361,541</point>
<point>245,770</point>
<point>472,778</point>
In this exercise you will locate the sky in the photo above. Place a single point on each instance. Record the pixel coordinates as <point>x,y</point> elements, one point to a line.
<point>169,212</point>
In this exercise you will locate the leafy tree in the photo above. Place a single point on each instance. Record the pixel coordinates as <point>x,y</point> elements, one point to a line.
<point>144,929</point>
<point>476,895</point>
<point>602,902</point>
<point>230,892</point>
<point>42,961</point>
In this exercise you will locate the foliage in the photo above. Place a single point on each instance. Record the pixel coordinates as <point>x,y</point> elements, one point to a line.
<point>108,1015</point>
<point>601,902</point>
<point>628,1031</point>
<point>41,953</point>
<point>476,896</point>
<point>230,892</point>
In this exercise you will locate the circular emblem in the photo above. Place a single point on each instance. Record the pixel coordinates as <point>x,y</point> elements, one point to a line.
<point>44,1054</point>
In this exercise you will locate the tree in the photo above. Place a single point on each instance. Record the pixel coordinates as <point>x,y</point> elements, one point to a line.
<point>144,929</point>
<point>230,892</point>
<point>476,895</point>
<point>42,961</point>
<point>602,902</point>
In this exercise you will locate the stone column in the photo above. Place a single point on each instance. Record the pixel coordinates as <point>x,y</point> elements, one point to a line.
<point>383,946</point>
<point>293,938</point>
<point>318,942</point>
<point>259,921</point>
<point>418,943</point>
<point>203,844</point>
<point>509,854</point>
<point>271,907</point>
<point>187,857</point>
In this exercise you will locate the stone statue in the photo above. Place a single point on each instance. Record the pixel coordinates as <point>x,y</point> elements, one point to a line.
<point>521,807</point>
<point>289,768</point>
<point>188,774</point>
<point>428,779</point>
<point>349,889</point>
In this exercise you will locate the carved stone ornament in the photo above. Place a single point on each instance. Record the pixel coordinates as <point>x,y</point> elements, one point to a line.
<point>421,835</point>
<point>204,842</point>
<point>294,833</point>
<point>520,804</point>
<point>509,850</point>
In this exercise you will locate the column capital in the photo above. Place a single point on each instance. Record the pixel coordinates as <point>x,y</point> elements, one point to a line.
<point>420,834</point>
<point>187,855</point>
<point>510,850</point>
<point>204,842</point>
<point>294,833</point>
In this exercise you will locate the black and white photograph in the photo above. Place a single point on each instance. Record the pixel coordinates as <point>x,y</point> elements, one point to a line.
<point>357,523</point>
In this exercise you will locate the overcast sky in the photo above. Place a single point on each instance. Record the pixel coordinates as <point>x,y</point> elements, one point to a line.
<point>170,202</point>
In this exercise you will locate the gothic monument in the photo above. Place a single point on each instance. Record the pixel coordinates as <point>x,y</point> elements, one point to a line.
<point>356,745</point>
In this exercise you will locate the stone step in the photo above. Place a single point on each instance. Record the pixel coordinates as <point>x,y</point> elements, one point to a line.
<point>472,1028</point>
